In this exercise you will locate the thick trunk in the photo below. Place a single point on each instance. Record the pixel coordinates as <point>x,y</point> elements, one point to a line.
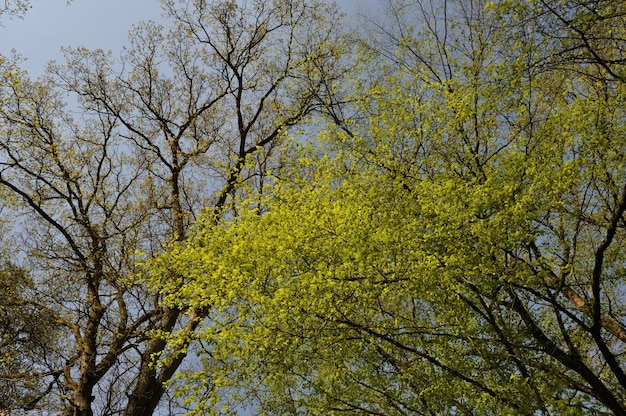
<point>80,403</point>
<point>149,389</point>
<point>150,386</point>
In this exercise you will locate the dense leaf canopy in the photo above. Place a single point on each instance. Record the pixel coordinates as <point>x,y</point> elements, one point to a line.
<point>459,252</point>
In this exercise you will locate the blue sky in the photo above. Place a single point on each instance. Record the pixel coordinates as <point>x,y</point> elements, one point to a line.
<point>51,24</point>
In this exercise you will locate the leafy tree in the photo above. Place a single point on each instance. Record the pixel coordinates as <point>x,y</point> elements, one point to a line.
<point>460,253</point>
<point>28,342</point>
<point>102,162</point>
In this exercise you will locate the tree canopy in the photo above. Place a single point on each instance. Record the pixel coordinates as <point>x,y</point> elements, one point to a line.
<point>258,208</point>
<point>457,250</point>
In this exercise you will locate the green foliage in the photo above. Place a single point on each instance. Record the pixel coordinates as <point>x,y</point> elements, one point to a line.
<point>28,335</point>
<point>458,253</point>
<point>451,243</point>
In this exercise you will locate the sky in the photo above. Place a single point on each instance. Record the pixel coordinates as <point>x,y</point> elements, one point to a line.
<point>52,24</point>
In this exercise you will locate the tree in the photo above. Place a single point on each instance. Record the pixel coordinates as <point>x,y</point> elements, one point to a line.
<point>122,167</point>
<point>458,255</point>
<point>28,341</point>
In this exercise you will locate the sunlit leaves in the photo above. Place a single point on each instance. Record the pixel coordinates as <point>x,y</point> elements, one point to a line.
<point>455,254</point>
